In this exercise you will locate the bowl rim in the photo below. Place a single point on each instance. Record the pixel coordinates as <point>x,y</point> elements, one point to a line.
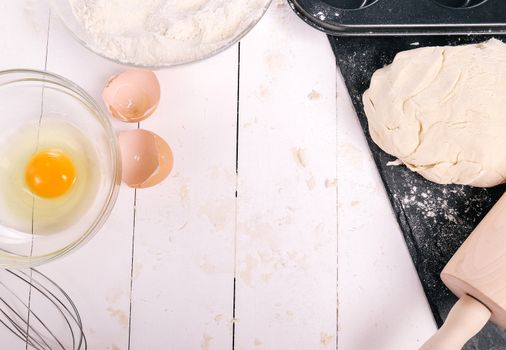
<point>55,8</point>
<point>20,261</point>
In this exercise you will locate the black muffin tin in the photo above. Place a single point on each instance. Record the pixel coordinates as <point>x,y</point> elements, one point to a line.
<point>403,17</point>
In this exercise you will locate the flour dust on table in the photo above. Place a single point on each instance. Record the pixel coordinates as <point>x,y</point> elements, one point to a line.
<point>164,32</point>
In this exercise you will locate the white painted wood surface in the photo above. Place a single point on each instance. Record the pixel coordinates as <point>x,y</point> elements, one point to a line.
<point>381,301</point>
<point>286,227</point>
<point>21,23</point>
<point>193,242</point>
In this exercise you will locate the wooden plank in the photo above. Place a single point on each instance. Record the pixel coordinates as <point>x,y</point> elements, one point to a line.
<point>376,275</point>
<point>24,28</point>
<point>184,228</point>
<point>28,21</point>
<point>286,238</point>
<point>97,276</point>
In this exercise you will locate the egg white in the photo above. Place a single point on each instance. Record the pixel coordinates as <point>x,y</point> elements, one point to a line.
<point>25,212</point>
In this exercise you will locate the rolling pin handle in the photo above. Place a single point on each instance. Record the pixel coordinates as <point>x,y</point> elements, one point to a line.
<point>467,317</point>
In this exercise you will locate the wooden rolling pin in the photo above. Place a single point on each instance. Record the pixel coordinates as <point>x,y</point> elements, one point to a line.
<point>477,275</point>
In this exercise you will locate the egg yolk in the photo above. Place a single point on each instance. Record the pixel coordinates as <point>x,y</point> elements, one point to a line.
<point>50,173</point>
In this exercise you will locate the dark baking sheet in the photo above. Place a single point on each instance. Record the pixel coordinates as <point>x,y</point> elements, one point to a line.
<point>403,17</point>
<point>434,219</point>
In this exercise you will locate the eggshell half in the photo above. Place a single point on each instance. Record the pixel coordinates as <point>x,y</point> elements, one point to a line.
<point>132,96</point>
<point>147,158</point>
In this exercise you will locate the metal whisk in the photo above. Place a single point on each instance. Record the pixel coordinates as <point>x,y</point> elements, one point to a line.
<point>39,312</point>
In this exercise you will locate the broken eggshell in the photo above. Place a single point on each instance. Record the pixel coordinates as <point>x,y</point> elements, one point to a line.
<point>146,158</point>
<point>132,96</point>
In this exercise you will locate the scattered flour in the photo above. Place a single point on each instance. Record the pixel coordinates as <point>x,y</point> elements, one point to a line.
<point>164,32</point>
<point>431,206</point>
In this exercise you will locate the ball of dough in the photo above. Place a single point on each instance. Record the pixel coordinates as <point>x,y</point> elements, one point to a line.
<point>442,112</point>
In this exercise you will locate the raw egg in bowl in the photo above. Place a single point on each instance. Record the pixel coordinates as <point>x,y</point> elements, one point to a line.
<point>60,167</point>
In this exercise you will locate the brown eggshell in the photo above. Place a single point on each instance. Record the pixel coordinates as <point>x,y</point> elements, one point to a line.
<point>147,158</point>
<point>132,96</point>
<point>165,163</point>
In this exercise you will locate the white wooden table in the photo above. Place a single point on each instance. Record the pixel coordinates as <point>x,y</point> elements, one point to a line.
<point>238,249</point>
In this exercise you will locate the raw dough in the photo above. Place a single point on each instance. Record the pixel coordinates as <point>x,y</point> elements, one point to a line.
<point>442,112</point>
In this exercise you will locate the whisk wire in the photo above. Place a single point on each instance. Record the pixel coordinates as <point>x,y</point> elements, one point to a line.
<point>35,284</point>
<point>26,322</point>
<point>36,332</point>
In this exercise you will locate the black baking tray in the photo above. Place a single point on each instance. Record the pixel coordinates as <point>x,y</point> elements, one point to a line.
<point>435,219</point>
<point>403,17</point>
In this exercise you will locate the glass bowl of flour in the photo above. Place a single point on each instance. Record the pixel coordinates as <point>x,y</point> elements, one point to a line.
<point>159,33</point>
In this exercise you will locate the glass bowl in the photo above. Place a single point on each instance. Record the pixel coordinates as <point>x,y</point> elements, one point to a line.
<point>64,10</point>
<point>45,110</point>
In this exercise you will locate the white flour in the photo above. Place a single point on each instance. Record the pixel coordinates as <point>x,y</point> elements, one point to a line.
<point>164,32</point>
